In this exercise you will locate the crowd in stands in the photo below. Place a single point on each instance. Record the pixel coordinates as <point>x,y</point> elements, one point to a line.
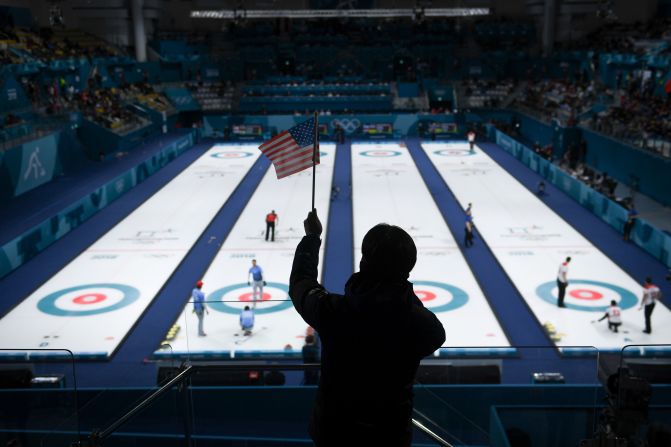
<point>489,93</point>
<point>6,57</point>
<point>46,45</point>
<point>107,106</point>
<point>496,33</point>
<point>543,151</point>
<point>10,120</point>
<point>574,162</point>
<point>319,89</point>
<point>7,37</point>
<point>155,101</point>
<point>13,127</point>
<point>641,120</point>
<point>65,92</point>
<point>561,100</point>
<point>619,37</point>
<point>212,95</point>
<point>629,112</point>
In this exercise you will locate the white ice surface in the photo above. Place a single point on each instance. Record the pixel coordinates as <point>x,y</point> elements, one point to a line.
<point>530,241</point>
<point>140,252</point>
<point>390,189</point>
<point>277,323</point>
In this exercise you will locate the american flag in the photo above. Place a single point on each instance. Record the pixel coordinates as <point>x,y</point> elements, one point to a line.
<point>291,151</point>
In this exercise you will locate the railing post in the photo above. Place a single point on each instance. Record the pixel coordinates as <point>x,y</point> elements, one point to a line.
<point>184,394</point>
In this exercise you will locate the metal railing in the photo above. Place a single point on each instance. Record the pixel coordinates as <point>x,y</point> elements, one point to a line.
<point>430,433</point>
<point>98,436</point>
<point>34,134</point>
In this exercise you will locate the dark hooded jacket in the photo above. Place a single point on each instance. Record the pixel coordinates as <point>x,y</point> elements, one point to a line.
<point>373,338</point>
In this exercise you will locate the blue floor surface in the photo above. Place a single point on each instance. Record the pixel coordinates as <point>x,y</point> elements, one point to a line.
<point>339,254</point>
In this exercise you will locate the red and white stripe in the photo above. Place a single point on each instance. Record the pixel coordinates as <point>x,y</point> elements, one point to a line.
<point>287,157</point>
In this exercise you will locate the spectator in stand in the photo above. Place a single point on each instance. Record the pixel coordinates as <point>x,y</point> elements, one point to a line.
<point>632,215</point>
<point>11,120</point>
<point>310,353</point>
<point>572,156</point>
<point>537,148</point>
<point>547,151</point>
<point>611,186</point>
<point>369,404</point>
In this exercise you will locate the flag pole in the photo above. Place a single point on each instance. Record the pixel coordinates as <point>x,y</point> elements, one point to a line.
<point>315,151</point>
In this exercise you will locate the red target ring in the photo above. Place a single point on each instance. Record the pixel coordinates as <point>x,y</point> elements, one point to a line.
<point>585,294</point>
<point>425,295</point>
<point>89,298</point>
<point>246,297</point>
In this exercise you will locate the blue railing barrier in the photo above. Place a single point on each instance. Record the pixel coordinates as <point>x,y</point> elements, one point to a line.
<point>181,98</point>
<point>99,139</point>
<point>606,154</point>
<point>473,401</point>
<point>645,235</point>
<point>25,246</point>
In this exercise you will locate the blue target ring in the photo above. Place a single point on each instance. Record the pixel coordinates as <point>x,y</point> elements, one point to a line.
<point>230,155</point>
<point>459,296</point>
<point>627,298</point>
<point>48,303</point>
<point>380,153</point>
<point>219,305</point>
<point>454,152</point>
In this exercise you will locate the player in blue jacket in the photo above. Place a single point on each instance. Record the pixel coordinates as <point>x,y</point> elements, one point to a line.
<point>247,320</point>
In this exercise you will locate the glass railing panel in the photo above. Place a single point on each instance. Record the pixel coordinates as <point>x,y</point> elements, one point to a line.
<point>639,395</point>
<point>38,397</point>
<point>236,353</point>
<point>250,389</point>
<point>131,383</point>
<point>457,389</point>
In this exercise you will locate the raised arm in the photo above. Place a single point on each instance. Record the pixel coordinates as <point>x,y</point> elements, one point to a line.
<point>307,295</point>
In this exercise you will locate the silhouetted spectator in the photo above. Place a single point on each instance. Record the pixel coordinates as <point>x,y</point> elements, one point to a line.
<point>361,399</point>
<point>310,353</point>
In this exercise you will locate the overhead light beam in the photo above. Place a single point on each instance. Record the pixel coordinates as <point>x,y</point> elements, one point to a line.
<point>335,13</point>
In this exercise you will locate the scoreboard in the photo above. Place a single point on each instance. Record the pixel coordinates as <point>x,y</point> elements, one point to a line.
<point>247,130</point>
<point>377,129</point>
